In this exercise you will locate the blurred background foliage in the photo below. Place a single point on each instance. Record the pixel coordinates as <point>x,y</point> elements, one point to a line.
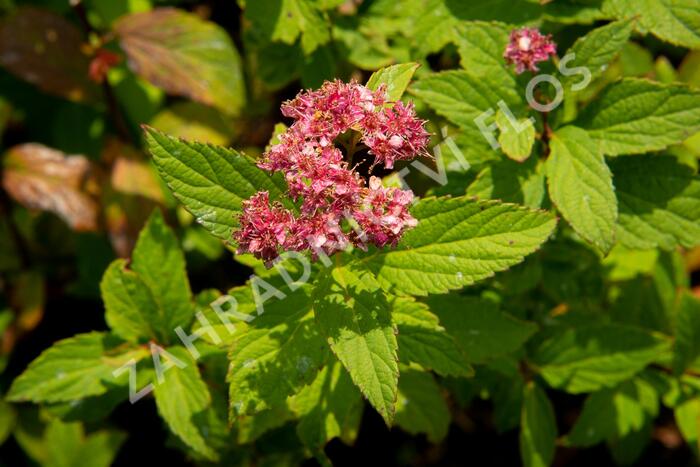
<point>79,77</point>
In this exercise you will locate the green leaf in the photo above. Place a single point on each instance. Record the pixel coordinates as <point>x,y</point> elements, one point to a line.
<point>243,304</point>
<point>422,340</point>
<point>160,263</point>
<point>279,64</point>
<point>635,60</point>
<point>182,397</point>
<point>68,446</point>
<point>597,49</point>
<point>286,20</point>
<point>371,42</point>
<point>687,344</point>
<point>614,413</point>
<point>659,202</point>
<point>457,242</point>
<point>153,298</point>
<point>330,407</point>
<point>62,442</point>
<point>101,448</point>
<point>438,18</point>
<point>131,310</point>
<point>511,182</point>
<point>581,186</point>
<point>436,28</point>
<point>592,357</point>
<point>649,298</point>
<point>628,449</point>
<point>279,352</point>
<point>353,314</point>
<point>184,55</point>
<point>251,428</point>
<point>623,264</point>
<point>98,408</point>
<point>318,67</point>
<point>505,385</point>
<point>421,407</point>
<point>675,21</point>
<point>689,70</point>
<point>8,417</point>
<point>395,77</point>
<point>516,143</point>
<point>480,46</point>
<point>461,96</point>
<point>665,70</point>
<point>635,116</point>
<point>74,368</point>
<point>107,12</point>
<point>688,419</point>
<point>518,12</point>
<point>482,331</point>
<point>538,428</point>
<point>573,13</point>
<point>210,181</point>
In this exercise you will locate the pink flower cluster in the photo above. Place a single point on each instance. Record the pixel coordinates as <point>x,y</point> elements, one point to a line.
<point>337,207</point>
<point>527,47</point>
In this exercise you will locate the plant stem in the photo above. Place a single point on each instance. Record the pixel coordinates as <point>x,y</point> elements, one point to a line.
<point>546,133</point>
<point>110,99</point>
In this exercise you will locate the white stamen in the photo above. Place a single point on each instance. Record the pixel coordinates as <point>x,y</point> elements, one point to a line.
<point>524,43</point>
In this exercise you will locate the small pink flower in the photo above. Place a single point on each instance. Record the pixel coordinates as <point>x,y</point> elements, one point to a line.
<point>395,134</point>
<point>383,215</point>
<point>263,227</point>
<point>334,199</point>
<point>527,47</point>
<point>324,233</point>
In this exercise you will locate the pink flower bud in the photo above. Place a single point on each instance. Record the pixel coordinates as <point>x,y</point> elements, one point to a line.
<point>527,47</point>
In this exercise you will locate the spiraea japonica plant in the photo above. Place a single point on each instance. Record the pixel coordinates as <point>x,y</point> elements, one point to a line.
<point>505,214</point>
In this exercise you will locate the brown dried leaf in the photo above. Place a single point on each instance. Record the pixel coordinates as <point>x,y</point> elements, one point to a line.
<point>39,177</point>
<point>45,49</point>
<point>136,178</point>
<point>129,194</point>
<point>184,55</point>
<point>131,172</point>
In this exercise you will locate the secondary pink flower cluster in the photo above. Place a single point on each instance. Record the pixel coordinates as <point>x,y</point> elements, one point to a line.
<point>337,206</point>
<point>527,47</point>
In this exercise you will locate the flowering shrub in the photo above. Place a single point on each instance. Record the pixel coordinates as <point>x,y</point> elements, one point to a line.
<point>472,237</point>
